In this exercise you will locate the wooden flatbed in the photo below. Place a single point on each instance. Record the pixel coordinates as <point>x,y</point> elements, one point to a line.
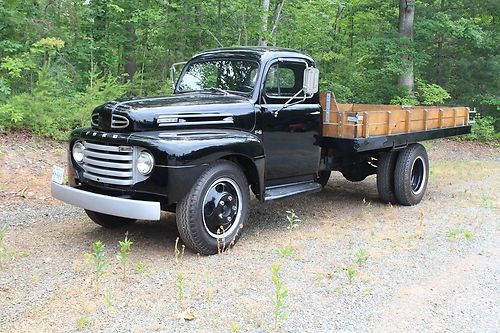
<point>363,127</point>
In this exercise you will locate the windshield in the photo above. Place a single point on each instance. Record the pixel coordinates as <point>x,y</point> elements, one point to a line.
<point>235,76</point>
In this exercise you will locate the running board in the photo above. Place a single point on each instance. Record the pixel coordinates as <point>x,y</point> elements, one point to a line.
<point>288,190</point>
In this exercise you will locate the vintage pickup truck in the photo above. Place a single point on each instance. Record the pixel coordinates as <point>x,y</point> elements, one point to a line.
<point>242,119</point>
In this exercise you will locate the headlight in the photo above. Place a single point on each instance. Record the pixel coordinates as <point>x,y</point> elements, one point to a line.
<point>145,162</point>
<point>77,151</point>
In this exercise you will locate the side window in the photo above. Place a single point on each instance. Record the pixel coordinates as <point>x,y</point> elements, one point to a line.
<point>284,80</point>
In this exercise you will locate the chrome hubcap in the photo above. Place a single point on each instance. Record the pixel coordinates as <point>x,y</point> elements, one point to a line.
<point>222,207</point>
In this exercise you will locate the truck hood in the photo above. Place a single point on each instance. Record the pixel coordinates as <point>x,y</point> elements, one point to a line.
<point>182,111</point>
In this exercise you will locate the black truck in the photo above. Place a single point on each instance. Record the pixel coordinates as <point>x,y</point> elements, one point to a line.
<point>240,120</point>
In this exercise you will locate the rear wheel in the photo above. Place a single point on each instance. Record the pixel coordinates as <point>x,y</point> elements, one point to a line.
<point>411,175</point>
<point>385,176</point>
<point>210,216</point>
<point>108,221</point>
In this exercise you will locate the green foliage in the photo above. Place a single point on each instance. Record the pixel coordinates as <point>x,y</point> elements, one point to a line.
<point>285,251</point>
<point>181,292</point>
<point>98,261</point>
<point>293,220</point>
<point>361,256</point>
<point>279,297</point>
<point>82,322</point>
<point>483,130</point>
<point>53,111</point>
<point>51,55</point>
<point>351,273</point>
<point>123,255</point>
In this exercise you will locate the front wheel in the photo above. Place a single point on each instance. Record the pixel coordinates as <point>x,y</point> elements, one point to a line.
<point>108,221</point>
<point>210,216</point>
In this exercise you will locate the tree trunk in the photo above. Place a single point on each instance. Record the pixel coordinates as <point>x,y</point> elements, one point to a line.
<point>265,18</point>
<point>406,16</point>
<point>130,66</point>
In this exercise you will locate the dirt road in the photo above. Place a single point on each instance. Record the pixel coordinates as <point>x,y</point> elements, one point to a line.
<point>355,265</point>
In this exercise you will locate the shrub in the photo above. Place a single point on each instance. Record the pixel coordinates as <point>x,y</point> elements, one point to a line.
<point>483,130</point>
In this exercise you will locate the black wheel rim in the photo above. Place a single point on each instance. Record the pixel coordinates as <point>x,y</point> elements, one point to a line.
<point>418,174</point>
<point>222,208</point>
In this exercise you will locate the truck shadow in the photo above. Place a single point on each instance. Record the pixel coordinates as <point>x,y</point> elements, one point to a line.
<point>264,220</point>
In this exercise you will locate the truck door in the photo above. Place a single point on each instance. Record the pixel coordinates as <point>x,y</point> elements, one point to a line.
<point>289,133</point>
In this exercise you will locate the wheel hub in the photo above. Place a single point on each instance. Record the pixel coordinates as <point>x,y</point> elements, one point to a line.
<point>221,208</point>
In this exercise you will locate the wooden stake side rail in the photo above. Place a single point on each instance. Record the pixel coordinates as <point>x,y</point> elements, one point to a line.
<point>367,120</point>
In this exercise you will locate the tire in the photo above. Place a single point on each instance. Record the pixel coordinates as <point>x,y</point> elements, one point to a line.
<point>323,177</point>
<point>210,216</point>
<point>411,175</point>
<point>108,221</point>
<point>385,176</point>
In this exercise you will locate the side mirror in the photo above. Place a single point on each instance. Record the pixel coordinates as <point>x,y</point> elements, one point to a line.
<point>311,81</point>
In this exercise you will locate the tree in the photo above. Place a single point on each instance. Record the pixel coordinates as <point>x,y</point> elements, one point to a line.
<point>406,17</point>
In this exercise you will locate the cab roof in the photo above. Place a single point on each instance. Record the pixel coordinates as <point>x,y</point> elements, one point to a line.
<point>260,53</point>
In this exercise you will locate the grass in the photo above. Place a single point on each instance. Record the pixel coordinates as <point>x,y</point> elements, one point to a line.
<point>351,273</point>
<point>361,256</point>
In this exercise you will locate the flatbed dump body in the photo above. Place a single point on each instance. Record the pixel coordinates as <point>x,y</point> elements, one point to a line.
<point>352,128</point>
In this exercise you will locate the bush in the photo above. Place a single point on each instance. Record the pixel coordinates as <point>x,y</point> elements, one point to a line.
<point>483,130</point>
<point>52,111</point>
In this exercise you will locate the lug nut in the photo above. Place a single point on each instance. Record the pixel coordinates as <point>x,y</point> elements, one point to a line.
<point>222,203</point>
<point>234,207</point>
<point>221,216</point>
<point>229,198</point>
<point>229,218</point>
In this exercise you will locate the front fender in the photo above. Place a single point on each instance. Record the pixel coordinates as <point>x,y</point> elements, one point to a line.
<point>186,154</point>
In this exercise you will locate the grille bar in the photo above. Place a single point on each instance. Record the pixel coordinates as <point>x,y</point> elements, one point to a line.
<point>111,164</point>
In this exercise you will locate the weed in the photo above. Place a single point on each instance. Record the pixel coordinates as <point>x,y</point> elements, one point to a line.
<point>279,297</point>
<point>123,255</point>
<point>454,233</point>
<point>82,322</point>
<point>285,251</point>
<point>23,254</point>
<point>140,268</point>
<point>351,273</point>
<point>3,248</point>
<point>181,292</point>
<point>97,258</point>
<point>293,220</point>
<point>107,301</point>
<point>235,327</point>
<point>361,256</point>
<point>468,235</point>
<point>178,253</point>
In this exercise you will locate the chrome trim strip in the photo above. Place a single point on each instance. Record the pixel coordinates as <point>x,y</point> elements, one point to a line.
<point>119,121</point>
<point>197,115</point>
<point>105,164</point>
<point>107,180</point>
<point>109,156</point>
<point>106,172</point>
<point>101,147</point>
<point>134,209</point>
<point>191,123</point>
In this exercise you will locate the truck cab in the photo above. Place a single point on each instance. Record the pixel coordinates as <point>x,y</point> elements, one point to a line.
<point>239,120</point>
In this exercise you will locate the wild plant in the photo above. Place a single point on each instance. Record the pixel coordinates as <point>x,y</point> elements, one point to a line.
<point>293,220</point>
<point>181,292</point>
<point>361,256</point>
<point>98,260</point>
<point>285,251</point>
<point>107,301</point>
<point>124,255</point>
<point>179,254</point>
<point>82,322</point>
<point>279,297</point>
<point>468,235</point>
<point>351,273</point>
<point>3,248</point>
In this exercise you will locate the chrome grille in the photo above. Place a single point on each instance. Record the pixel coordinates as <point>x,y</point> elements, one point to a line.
<point>111,164</point>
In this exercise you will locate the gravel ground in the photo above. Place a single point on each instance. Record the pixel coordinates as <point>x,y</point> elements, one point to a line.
<point>429,268</point>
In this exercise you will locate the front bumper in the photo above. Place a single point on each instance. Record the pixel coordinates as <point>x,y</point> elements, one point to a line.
<point>133,209</point>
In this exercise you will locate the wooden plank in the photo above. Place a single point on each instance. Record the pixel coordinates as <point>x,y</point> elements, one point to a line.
<point>366,124</point>
<point>407,120</point>
<point>389,122</point>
